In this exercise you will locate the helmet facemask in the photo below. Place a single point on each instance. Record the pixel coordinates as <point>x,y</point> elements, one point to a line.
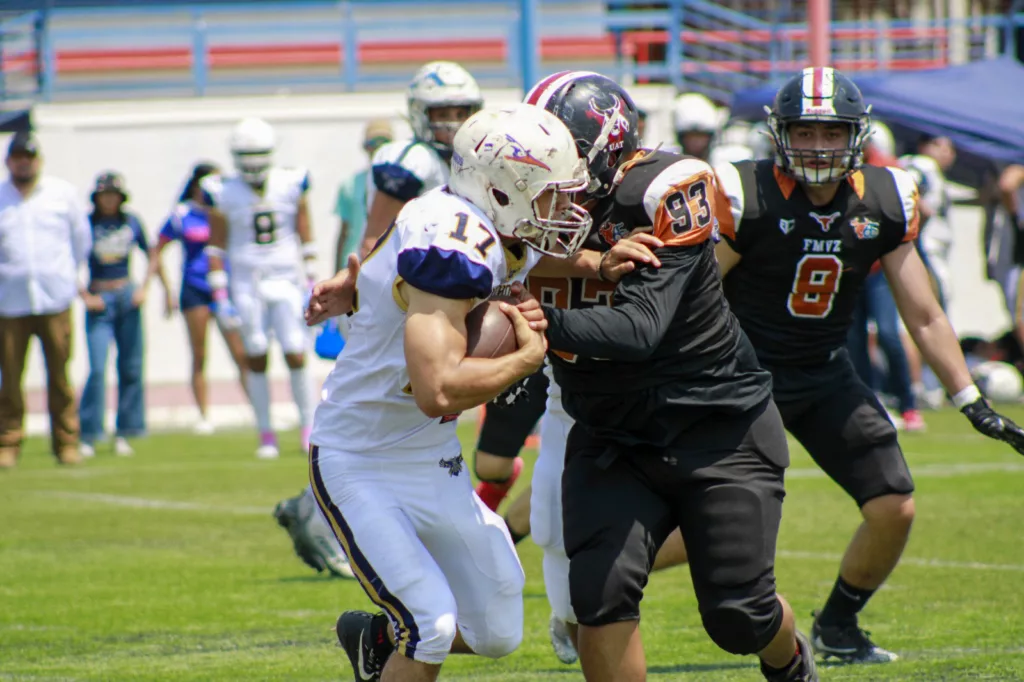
<point>438,85</point>
<point>559,228</point>
<point>253,166</point>
<point>447,129</point>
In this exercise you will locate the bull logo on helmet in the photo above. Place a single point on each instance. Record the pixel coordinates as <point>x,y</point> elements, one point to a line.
<point>613,118</point>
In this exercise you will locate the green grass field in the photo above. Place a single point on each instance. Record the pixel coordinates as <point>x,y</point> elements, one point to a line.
<point>168,566</point>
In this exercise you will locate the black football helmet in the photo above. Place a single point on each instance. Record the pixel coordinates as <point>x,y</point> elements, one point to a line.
<point>601,116</point>
<point>819,94</point>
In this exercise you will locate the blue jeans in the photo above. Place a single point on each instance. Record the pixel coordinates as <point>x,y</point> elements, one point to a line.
<point>120,323</point>
<point>876,302</point>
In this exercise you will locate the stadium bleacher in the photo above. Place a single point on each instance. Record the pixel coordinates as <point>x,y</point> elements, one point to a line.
<point>146,48</point>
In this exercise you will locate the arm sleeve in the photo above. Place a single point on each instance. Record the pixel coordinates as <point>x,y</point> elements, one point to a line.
<point>452,263</point>
<point>909,217</point>
<point>171,229</point>
<point>645,304</point>
<point>403,178</point>
<point>729,204</point>
<point>396,181</point>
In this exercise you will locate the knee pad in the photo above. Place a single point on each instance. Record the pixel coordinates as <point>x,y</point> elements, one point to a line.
<point>494,646</point>
<point>599,597</point>
<point>434,642</point>
<point>745,625</point>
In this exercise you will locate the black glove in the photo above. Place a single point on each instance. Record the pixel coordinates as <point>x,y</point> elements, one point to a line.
<point>994,425</point>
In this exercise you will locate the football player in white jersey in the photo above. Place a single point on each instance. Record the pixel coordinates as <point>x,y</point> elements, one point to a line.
<point>935,156</point>
<point>441,96</point>
<point>259,220</point>
<point>386,463</point>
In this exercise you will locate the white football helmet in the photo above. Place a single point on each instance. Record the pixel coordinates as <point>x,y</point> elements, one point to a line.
<point>509,163</point>
<point>695,113</point>
<point>881,137</point>
<point>440,84</point>
<point>252,146</point>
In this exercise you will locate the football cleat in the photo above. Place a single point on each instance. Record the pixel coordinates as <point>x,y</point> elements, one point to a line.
<point>802,669</point>
<point>312,538</point>
<point>355,630</point>
<point>847,644</point>
<point>561,640</point>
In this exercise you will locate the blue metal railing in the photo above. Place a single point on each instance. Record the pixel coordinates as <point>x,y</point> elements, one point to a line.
<point>680,42</point>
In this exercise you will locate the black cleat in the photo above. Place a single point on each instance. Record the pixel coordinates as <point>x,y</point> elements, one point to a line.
<point>847,644</point>
<point>802,669</point>
<point>355,630</point>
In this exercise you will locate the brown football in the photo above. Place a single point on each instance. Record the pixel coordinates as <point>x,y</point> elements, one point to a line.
<point>489,332</point>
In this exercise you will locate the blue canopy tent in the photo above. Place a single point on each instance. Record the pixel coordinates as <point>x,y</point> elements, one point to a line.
<point>978,105</point>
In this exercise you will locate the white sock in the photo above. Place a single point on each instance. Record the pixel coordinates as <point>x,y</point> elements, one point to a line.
<point>302,395</point>
<point>259,394</point>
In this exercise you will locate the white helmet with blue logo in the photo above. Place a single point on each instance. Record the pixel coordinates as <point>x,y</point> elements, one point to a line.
<point>520,167</point>
<point>440,84</point>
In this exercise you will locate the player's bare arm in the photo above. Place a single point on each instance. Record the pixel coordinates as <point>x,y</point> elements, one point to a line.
<point>444,381</point>
<point>383,211</point>
<point>934,336</point>
<point>727,257</point>
<point>924,318</point>
<point>1009,182</point>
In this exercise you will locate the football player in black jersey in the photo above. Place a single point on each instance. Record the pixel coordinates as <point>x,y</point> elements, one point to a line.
<point>674,422</point>
<point>803,231</point>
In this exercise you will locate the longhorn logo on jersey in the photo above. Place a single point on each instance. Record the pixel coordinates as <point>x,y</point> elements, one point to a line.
<point>826,221</point>
<point>612,119</point>
<point>612,232</point>
<point>864,228</point>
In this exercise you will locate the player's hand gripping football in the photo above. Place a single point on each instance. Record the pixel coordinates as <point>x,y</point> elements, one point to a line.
<point>994,425</point>
<point>622,259</point>
<point>530,307</point>
<point>333,296</point>
<point>532,344</point>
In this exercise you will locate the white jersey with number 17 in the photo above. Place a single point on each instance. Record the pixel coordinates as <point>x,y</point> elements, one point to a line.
<point>440,244</point>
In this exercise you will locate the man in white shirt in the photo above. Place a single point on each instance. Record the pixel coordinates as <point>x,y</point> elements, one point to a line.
<point>44,240</point>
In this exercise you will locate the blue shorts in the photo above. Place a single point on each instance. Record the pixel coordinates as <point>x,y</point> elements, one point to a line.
<point>193,297</point>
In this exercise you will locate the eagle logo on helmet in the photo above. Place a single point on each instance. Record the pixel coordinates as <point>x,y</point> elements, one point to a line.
<point>520,154</point>
<point>614,117</point>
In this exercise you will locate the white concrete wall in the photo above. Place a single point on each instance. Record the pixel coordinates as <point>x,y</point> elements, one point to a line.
<point>155,143</point>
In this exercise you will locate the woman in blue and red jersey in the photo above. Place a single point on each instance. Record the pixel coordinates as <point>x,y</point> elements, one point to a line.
<point>189,225</point>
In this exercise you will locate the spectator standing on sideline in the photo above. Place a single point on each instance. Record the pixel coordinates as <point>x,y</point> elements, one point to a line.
<point>351,204</point>
<point>44,239</point>
<point>188,224</point>
<point>114,314</point>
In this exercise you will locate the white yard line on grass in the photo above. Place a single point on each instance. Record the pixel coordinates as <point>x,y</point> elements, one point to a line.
<point>908,561</point>
<point>929,470</point>
<point>173,505</point>
<point>148,503</point>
